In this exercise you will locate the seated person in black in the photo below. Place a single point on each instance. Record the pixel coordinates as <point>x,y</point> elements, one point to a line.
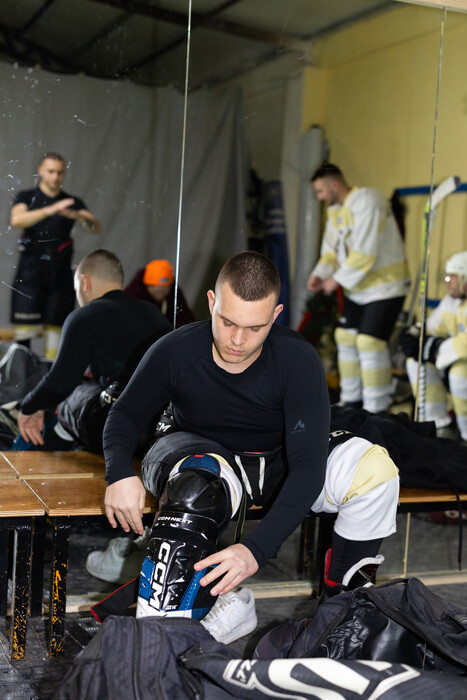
<point>156,283</point>
<point>251,411</point>
<point>107,336</point>
<point>42,291</point>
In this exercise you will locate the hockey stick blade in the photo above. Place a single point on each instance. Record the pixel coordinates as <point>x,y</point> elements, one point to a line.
<point>443,190</point>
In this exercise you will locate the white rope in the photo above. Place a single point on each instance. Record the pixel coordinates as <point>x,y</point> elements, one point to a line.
<point>182,166</point>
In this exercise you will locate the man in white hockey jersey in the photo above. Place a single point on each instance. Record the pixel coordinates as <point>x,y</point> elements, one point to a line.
<point>444,350</point>
<point>363,252</point>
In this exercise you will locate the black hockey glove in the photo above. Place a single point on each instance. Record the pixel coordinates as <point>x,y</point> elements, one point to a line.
<point>409,340</point>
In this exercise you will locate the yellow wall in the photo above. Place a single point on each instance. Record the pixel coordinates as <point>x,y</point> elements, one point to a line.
<point>373,90</point>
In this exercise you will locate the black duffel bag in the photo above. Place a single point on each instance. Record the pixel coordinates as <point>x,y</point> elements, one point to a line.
<point>398,622</point>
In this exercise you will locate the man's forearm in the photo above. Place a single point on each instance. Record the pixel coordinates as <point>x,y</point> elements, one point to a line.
<point>41,400</point>
<point>29,218</point>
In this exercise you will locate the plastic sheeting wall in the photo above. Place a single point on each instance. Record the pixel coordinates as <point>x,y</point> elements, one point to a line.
<point>123,143</point>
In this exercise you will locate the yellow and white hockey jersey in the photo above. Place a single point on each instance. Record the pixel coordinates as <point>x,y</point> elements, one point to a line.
<point>449,320</point>
<point>362,248</point>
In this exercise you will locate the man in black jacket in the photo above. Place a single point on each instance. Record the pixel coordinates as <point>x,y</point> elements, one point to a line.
<point>108,334</point>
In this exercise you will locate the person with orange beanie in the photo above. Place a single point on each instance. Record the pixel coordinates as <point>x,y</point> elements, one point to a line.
<point>156,283</point>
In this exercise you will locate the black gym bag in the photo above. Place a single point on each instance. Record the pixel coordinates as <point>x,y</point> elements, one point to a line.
<point>399,622</point>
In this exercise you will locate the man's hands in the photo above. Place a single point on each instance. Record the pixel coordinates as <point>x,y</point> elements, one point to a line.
<point>236,562</point>
<point>82,216</point>
<point>316,284</point>
<point>31,427</point>
<point>124,501</point>
<point>63,207</point>
<point>329,286</point>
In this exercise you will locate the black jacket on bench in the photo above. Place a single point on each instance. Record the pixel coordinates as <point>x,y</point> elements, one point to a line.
<point>423,460</point>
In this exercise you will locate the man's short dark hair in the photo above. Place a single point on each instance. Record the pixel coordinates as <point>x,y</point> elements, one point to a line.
<point>102,264</point>
<point>251,276</point>
<point>328,170</point>
<point>53,155</point>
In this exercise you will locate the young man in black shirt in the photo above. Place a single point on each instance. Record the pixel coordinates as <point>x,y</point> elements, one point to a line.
<point>43,284</point>
<point>108,335</point>
<point>251,410</point>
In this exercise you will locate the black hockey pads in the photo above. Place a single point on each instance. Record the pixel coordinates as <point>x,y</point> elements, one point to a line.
<point>198,508</point>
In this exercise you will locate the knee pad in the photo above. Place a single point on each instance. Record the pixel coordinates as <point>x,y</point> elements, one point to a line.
<point>197,510</point>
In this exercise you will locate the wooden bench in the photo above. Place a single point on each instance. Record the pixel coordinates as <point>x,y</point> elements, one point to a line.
<point>423,500</point>
<point>69,487</point>
<point>43,465</point>
<point>7,471</point>
<point>18,509</point>
<point>68,502</point>
<point>7,333</point>
<point>31,465</point>
<point>39,469</point>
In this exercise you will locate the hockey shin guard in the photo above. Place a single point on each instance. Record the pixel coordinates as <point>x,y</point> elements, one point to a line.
<point>198,508</point>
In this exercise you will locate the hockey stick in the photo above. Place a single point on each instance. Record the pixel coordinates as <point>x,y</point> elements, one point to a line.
<point>443,190</point>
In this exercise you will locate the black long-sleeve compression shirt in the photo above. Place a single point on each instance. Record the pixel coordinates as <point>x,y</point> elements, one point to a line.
<point>109,335</point>
<point>282,398</point>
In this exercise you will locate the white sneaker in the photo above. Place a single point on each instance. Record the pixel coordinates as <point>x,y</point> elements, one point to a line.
<point>232,616</point>
<point>121,561</point>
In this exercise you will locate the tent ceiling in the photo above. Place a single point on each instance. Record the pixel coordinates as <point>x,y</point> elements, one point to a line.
<point>145,40</point>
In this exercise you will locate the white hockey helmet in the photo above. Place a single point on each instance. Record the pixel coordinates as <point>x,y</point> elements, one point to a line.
<point>457,264</point>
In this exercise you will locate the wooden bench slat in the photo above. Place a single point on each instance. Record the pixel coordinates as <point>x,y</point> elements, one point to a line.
<point>7,333</point>
<point>7,471</point>
<point>17,500</point>
<point>36,464</point>
<point>410,495</point>
<point>61,464</point>
<point>75,496</point>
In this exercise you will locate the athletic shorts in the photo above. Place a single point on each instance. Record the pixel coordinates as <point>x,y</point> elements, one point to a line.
<point>376,318</point>
<point>43,290</point>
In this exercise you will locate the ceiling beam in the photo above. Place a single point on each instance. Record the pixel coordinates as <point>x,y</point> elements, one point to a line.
<point>178,42</point>
<point>32,20</point>
<point>29,52</point>
<point>208,21</point>
<point>456,5</point>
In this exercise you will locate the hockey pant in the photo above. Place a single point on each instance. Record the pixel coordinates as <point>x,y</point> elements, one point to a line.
<point>201,496</point>
<point>365,372</point>
<point>362,487</point>
<point>42,290</point>
<point>436,393</point>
